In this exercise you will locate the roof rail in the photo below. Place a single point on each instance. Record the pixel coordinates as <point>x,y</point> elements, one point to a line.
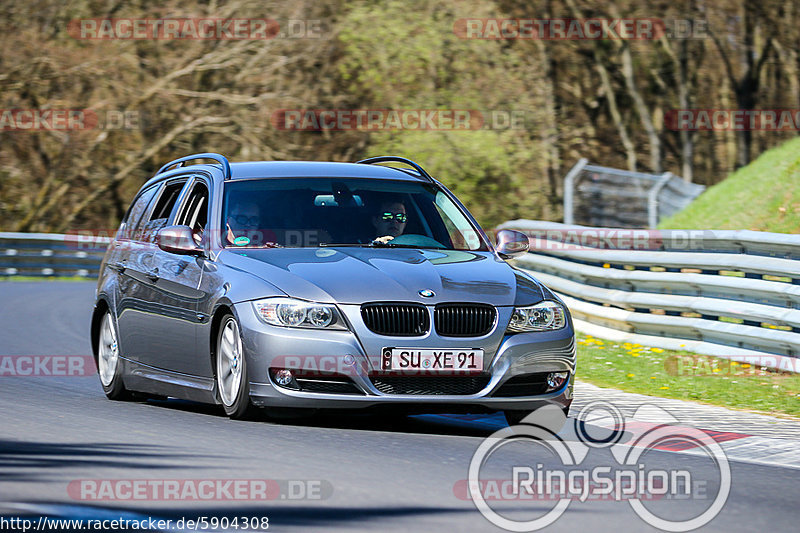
<point>397,159</point>
<point>221,159</point>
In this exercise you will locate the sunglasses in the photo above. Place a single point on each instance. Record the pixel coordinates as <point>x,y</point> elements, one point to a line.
<point>400,217</point>
<point>245,220</point>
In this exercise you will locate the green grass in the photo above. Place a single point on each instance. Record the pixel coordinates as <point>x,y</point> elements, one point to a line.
<point>671,374</point>
<point>763,196</point>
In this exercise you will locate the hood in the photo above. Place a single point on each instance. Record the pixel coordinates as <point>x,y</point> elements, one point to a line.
<point>359,275</point>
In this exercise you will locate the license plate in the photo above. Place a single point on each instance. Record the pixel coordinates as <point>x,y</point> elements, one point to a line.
<point>459,359</point>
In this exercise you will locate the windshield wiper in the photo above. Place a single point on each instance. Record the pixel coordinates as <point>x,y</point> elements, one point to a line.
<point>390,244</point>
<point>378,244</point>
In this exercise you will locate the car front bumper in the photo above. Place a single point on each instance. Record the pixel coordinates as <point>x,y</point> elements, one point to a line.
<point>328,352</point>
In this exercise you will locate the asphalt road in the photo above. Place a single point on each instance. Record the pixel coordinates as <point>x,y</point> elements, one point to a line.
<point>363,473</point>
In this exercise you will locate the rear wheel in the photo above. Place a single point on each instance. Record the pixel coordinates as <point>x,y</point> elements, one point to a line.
<point>233,386</point>
<point>108,360</point>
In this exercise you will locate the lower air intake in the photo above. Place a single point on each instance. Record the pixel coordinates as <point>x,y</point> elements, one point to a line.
<point>422,386</point>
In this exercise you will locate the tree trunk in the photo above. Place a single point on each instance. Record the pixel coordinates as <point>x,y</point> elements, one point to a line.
<point>642,110</point>
<point>687,138</point>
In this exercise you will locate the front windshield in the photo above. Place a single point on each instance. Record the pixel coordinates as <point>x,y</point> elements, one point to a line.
<point>313,212</point>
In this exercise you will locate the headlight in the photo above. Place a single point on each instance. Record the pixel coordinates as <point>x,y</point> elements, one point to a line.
<point>543,316</point>
<point>298,314</point>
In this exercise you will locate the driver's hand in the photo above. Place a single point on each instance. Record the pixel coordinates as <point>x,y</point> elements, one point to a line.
<point>384,239</point>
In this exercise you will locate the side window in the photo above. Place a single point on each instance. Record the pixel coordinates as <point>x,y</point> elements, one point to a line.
<point>135,213</point>
<point>195,211</point>
<point>164,206</point>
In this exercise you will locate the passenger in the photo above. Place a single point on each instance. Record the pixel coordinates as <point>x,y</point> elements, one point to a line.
<point>244,220</point>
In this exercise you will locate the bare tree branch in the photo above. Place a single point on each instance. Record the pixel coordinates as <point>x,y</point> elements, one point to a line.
<point>134,162</point>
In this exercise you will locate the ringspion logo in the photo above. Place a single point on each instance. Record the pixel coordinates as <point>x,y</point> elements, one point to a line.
<point>630,478</point>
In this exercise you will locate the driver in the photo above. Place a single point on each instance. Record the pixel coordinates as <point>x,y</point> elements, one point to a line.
<point>390,220</point>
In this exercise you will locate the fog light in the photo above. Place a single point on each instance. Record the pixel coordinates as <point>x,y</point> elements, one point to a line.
<point>284,377</point>
<point>556,380</point>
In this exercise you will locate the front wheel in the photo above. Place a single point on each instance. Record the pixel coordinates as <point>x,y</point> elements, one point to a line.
<point>108,363</point>
<point>233,386</point>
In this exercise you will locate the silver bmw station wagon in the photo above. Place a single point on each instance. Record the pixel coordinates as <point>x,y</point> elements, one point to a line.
<point>314,285</point>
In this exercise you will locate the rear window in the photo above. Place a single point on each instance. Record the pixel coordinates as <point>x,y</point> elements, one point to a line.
<point>160,214</point>
<point>135,213</point>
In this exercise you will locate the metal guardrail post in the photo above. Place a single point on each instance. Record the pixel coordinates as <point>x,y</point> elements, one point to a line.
<point>569,187</point>
<point>652,200</point>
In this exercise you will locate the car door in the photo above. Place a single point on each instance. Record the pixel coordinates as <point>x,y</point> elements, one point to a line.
<point>140,322</point>
<point>175,289</point>
<point>125,260</point>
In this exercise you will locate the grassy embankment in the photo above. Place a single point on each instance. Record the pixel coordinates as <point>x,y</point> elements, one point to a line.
<point>687,376</point>
<point>763,196</point>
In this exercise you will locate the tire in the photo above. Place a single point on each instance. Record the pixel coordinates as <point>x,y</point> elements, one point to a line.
<point>233,386</point>
<point>108,361</point>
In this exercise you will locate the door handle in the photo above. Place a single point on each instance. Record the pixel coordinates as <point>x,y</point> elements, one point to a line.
<point>118,266</point>
<point>153,275</point>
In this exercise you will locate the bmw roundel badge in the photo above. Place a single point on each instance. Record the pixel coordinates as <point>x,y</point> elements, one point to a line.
<point>427,293</point>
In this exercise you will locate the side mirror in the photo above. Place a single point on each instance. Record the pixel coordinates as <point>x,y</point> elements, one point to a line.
<point>178,240</point>
<point>511,243</point>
